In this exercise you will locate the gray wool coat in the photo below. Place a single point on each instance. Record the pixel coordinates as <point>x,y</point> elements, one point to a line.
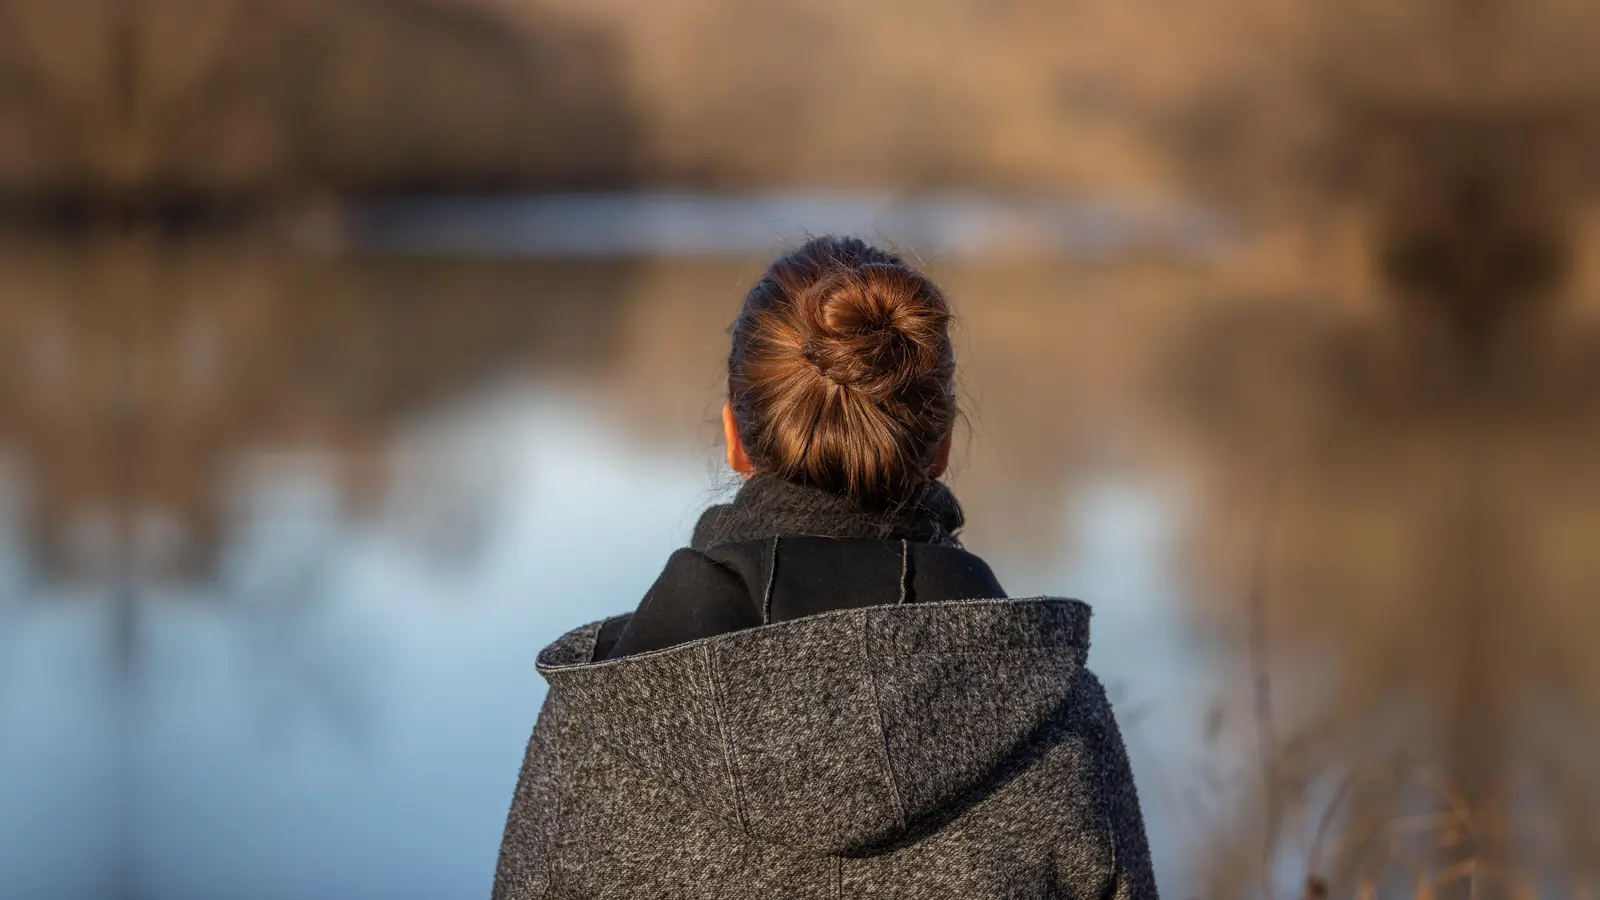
<point>955,749</point>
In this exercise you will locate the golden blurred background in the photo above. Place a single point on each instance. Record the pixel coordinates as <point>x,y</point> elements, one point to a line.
<point>336,340</point>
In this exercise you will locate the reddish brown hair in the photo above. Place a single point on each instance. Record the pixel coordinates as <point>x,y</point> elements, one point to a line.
<point>842,372</point>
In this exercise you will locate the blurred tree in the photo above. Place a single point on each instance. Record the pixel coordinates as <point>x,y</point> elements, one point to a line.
<point>150,103</point>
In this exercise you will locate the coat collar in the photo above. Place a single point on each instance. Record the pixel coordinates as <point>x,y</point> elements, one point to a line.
<point>768,506</point>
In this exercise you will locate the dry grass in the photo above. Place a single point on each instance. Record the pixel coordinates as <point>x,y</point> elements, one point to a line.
<point>1400,829</point>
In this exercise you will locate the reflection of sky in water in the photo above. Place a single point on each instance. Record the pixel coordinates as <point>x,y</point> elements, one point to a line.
<point>343,712</point>
<point>1124,564</point>
<point>60,792</point>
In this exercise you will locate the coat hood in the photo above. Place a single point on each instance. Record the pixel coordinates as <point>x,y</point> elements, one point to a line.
<point>837,733</point>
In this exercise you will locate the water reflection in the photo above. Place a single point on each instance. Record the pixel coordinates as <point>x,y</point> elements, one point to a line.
<point>352,699</point>
<point>348,499</point>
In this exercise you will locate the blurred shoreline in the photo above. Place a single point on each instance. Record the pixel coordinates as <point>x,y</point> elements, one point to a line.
<point>669,224</point>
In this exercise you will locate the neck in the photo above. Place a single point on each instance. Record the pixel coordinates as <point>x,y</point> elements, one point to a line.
<point>768,506</point>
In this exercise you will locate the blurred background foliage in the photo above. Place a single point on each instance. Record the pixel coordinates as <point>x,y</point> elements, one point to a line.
<point>171,98</point>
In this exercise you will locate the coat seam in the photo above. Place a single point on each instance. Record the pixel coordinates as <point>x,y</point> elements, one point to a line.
<point>1112,888</point>
<point>905,567</point>
<point>553,854</point>
<point>1111,829</point>
<point>722,739</point>
<point>877,716</point>
<point>1111,832</point>
<point>772,576</point>
<point>1050,654</point>
<point>555,847</point>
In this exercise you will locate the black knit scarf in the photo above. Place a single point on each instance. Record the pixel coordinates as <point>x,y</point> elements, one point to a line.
<point>767,506</point>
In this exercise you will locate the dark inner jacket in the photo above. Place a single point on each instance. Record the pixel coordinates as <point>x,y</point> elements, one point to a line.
<point>783,551</point>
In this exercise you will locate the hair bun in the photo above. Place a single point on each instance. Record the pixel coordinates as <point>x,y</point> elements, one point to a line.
<point>841,372</point>
<point>874,328</point>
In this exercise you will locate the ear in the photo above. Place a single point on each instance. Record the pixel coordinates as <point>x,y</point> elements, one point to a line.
<point>738,460</point>
<point>941,458</point>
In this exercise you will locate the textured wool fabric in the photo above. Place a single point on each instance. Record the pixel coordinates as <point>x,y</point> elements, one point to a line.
<point>769,506</point>
<point>956,749</point>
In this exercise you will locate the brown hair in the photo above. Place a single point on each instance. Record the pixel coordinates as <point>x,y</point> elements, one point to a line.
<point>842,372</point>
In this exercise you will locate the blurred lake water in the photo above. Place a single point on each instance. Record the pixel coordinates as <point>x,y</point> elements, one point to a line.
<point>281,533</point>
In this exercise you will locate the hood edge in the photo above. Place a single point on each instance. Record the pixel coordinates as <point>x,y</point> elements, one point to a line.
<point>593,629</point>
